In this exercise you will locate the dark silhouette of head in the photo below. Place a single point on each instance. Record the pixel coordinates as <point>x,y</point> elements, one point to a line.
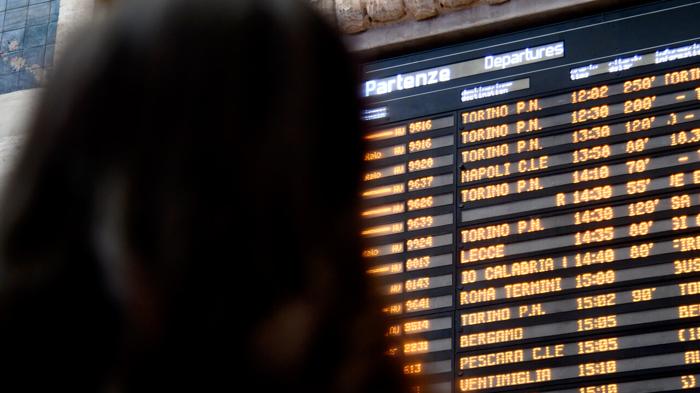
<point>182,213</point>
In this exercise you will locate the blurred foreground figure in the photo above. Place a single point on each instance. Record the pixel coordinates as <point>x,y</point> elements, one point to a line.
<point>182,217</point>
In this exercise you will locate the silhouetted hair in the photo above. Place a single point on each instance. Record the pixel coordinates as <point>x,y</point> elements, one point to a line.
<point>182,215</point>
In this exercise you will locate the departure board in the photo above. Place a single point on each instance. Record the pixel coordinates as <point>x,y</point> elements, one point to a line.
<point>531,206</point>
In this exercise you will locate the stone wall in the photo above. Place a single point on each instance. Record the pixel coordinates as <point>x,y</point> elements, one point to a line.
<point>356,16</point>
<point>377,27</point>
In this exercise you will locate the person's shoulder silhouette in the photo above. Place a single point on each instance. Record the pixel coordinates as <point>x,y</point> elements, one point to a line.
<point>182,215</point>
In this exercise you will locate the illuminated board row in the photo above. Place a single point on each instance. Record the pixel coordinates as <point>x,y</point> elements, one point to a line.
<point>677,382</point>
<point>680,222</point>
<point>536,125</point>
<point>684,381</point>
<point>593,154</point>
<point>605,367</point>
<point>485,316</point>
<point>415,127</point>
<point>581,238</point>
<point>476,116</point>
<point>670,204</point>
<point>644,261</point>
<point>474,362</point>
<point>475,367</point>
<point>627,131</point>
<point>679,138</point>
<point>604,278</point>
<point>581,196</point>
<point>652,250</point>
<point>539,183</point>
<point>594,194</point>
<point>538,224</point>
<point>601,323</point>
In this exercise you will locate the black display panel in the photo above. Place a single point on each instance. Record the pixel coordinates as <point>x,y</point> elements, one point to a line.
<point>532,206</point>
